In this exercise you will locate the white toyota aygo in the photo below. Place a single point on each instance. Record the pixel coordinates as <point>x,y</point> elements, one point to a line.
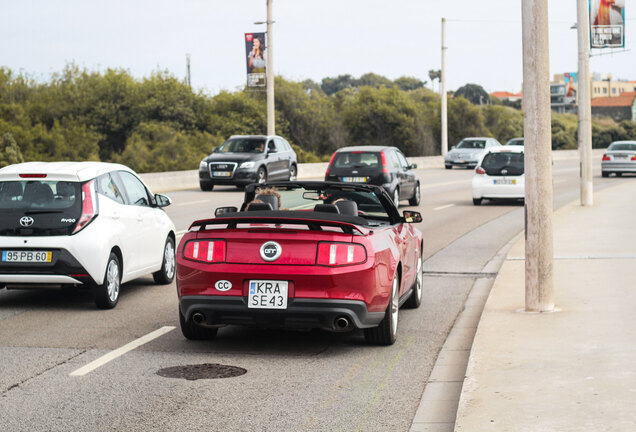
<point>500,175</point>
<point>89,224</point>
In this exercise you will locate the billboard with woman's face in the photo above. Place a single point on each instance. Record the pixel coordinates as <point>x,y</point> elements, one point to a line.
<point>607,23</point>
<point>255,59</point>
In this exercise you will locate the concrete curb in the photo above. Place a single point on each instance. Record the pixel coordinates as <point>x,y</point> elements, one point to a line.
<point>180,180</point>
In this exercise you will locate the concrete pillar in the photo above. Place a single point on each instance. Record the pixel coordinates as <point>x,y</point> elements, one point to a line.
<point>584,103</point>
<point>271,114</point>
<point>444,116</point>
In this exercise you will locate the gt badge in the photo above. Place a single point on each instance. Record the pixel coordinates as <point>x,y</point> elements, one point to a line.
<point>223,285</point>
<point>270,251</point>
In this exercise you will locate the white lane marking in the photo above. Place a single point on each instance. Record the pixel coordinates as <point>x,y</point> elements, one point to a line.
<point>121,351</point>
<point>432,185</point>
<point>444,207</point>
<point>191,202</point>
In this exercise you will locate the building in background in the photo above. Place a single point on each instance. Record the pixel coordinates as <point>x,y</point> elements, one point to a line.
<point>605,86</point>
<point>621,107</point>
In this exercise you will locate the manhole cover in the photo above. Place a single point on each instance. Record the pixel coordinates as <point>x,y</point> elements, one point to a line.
<point>201,371</point>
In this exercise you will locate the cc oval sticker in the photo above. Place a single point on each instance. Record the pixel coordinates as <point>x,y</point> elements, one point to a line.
<point>223,285</point>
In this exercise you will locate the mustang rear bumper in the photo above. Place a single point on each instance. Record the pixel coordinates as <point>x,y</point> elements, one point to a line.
<point>300,313</point>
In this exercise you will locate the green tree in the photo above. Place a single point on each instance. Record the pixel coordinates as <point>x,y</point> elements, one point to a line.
<point>474,93</point>
<point>409,83</point>
<point>9,151</point>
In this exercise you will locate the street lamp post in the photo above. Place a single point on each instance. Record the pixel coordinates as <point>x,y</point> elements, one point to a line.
<point>271,113</point>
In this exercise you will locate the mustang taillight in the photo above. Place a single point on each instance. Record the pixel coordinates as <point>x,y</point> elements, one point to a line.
<point>207,251</point>
<point>339,254</point>
<point>480,170</point>
<point>606,157</point>
<point>89,206</point>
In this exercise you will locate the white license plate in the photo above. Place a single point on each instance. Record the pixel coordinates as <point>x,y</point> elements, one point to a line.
<point>621,157</point>
<point>27,256</point>
<point>221,173</point>
<point>354,179</point>
<point>267,294</point>
<point>505,181</point>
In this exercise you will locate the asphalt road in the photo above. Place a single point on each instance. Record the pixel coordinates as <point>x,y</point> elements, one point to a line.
<point>295,381</point>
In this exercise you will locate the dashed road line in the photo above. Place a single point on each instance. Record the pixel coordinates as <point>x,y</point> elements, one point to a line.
<point>444,207</point>
<point>121,351</point>
<point>191,202</point>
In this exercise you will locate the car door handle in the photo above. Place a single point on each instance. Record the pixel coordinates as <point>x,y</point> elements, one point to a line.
<point>140,218</point>
<point>115,215</point>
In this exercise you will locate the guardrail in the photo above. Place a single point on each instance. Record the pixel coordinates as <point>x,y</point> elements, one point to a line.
<point>180,180</point>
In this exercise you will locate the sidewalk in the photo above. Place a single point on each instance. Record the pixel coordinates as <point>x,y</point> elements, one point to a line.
<point>574,369</point>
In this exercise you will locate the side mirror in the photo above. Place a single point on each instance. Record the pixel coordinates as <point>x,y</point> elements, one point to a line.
<point>162,200</point>
<point>453,147</point>
<point>222,210</point>
<point>412,216</point>
<point>413,166</point>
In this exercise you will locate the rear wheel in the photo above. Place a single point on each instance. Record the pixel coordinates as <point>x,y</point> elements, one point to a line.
<point>618,174</point>
<point>386,332</point>
<point>261,176</point>
<point>166,274</point>
<point>415,300</point>
<point>193,331</point>
<point>206,187</point>
<point>448,166</point>
<point>107,293</point>
<point>477,201</point>
<point>293,172</point>
<point>415,200</point>
<point>605,174</point>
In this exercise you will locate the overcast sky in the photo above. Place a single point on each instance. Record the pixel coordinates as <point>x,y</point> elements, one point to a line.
<point>313,39</point>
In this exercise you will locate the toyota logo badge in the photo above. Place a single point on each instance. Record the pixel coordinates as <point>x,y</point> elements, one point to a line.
<point>26,221</point>
<point>271,251</point>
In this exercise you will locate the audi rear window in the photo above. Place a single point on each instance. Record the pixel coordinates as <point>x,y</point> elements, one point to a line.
<point>356,160</point>
<point>38,195</point>
<point>471,144</point>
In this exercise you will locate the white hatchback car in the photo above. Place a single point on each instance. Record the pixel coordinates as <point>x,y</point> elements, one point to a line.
<point>88,224</point>
<point>500,175</point>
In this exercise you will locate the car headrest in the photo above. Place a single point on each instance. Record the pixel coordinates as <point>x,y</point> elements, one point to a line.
<point>326,208</point>
<point>259,206</point>
<point>347,207</point>
<point>270,199</point>
<point>38,193</point>
<point>65,190</point>
<point>12,189</point>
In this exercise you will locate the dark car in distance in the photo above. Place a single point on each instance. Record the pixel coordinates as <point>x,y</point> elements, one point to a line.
<point>378,165</point>
<point>245,159</point>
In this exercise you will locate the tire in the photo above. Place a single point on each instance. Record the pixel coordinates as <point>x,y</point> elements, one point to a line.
<point>261,175</point>
<point>165,275</point>
<point>396,196</point>
<point>605,174</point>
<point>448,166</point>
<point>477,201</point>
<point>386,332</point>
<point>415,300</point>
<point>293,173</point>
<point>206,187</point>
<point>415,200</point>
<point>192,331</point>
<point>106,294</point>
<point>618,174</point>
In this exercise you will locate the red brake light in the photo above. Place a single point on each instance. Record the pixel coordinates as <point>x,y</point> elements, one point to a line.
<point>480,170</point>
<point>207,251</point>
<point>385,167</point>
<point>339,254</point>
<point>89,206</point>
<point>606,157</point>
<point>33,175</point>
<point>329,166</point>
<point>633,157</point>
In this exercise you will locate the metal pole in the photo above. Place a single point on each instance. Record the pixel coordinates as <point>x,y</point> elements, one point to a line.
<point>585,106</point>
<point>444,116</point>
<point>538,157</point>
<point>270,71</point>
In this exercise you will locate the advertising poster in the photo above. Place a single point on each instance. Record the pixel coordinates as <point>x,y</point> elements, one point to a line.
<point>255,59</point>
<point>569,79</point>
<point>607,23</point>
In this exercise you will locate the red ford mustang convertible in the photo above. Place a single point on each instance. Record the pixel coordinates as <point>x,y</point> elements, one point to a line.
<point>302,255</point>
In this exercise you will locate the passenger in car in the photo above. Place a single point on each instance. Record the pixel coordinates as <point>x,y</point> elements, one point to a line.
<point>270,195</point>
